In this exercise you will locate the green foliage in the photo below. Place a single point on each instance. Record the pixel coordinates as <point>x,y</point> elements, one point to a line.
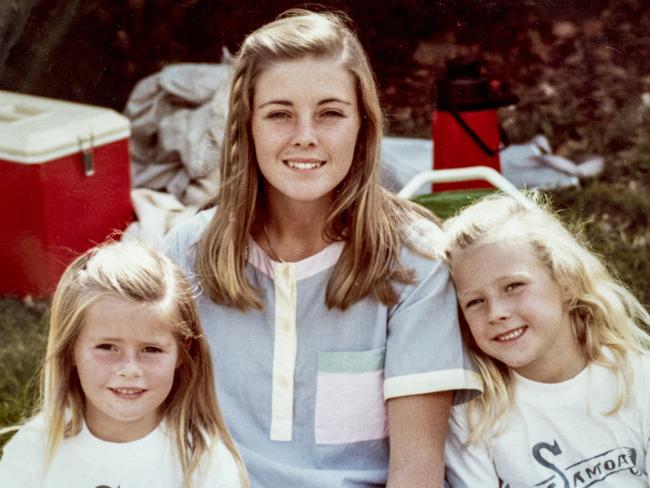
<point>614,218</point>
<point>23,328</point>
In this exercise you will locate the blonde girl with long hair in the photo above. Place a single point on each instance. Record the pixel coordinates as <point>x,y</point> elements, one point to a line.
<point>562,350</point>
<point>333,327</point>
<point>127,390</point>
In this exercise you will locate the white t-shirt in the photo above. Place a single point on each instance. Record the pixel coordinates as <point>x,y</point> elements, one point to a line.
<point>558,436</point>
<point>84,461</point>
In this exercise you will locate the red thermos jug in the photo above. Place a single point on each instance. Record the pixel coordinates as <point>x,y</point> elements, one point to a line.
<point>465,129</point>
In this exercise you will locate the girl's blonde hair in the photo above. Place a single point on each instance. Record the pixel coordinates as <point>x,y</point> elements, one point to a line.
<point>604,315</point>
<point>137,274</point>
<point>363,214</point>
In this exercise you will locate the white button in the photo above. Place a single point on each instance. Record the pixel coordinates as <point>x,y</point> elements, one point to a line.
<point>283,382</point>
<point>285,325</point>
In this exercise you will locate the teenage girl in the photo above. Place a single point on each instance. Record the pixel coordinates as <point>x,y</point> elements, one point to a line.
<point>562,353</point>
<point>127,387</point>
<point>333,327</point>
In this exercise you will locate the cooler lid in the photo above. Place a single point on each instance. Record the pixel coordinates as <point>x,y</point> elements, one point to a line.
<point>37,129</point>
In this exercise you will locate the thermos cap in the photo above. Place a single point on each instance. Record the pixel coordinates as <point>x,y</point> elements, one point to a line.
<point>463,88</point>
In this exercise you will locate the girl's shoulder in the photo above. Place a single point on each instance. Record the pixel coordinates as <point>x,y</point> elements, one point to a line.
<point>23,453</point>
<point>640,366</point>
<point>180,242</point>
<point>422,235</point>
<point>188,232</point>
<point>222,468</point>
<point>636,362</point>
<point>641,358</point>
<point>30,433</point>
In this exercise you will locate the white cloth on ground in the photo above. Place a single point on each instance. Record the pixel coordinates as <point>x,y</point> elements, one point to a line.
<point>530,165</point>
<point>178,117</point>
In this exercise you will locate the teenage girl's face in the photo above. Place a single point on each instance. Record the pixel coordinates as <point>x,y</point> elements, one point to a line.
<point>516,311</point>
<point>126,357</point>
<point>305,124</point>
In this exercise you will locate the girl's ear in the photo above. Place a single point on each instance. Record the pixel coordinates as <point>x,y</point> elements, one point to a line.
<point>568,293</point>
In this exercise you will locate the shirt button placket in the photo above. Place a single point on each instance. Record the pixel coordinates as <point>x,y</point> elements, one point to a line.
<point>284,353</point>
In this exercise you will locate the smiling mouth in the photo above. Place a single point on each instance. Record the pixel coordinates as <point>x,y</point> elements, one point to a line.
<point>511,335</point>
<point>128,391</point>
<point>302,164</point>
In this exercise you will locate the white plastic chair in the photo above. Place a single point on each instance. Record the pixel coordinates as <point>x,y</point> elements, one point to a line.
<point>462,174</point>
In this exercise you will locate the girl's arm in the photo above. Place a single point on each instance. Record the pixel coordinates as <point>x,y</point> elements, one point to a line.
<point>417,426</point>
<point>425,365</point>
<point>467,466</point>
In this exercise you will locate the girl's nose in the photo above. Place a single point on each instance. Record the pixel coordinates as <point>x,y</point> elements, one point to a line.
<point>498,311</point>
<point>129,368</point>
<point>305,134</point>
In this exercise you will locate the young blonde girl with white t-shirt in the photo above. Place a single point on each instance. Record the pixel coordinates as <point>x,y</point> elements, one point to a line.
<point>561,350</point>
<point>127,393</point>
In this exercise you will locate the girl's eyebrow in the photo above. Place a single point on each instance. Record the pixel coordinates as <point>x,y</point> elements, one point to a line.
<point>275,102</point>
<point>464,296</point>
<point>152,340</point>
<point>287,103</point>
<point>514,275</point>
<point>334,100</point>
<point>106,339</point>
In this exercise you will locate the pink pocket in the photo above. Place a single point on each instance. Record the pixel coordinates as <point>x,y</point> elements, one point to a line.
<point>350,404</point>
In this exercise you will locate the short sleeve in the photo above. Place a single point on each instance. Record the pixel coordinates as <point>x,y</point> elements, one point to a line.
<point>424,350</point>
<point>466,466</point>
<point>180,242</point>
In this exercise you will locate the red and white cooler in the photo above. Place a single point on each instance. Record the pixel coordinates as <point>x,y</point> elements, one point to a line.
<point>64,187</point>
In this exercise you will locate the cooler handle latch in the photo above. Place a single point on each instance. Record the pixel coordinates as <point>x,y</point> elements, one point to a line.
<point>87,155</point>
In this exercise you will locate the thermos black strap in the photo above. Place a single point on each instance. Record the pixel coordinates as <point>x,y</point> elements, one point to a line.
<point>475,137</point>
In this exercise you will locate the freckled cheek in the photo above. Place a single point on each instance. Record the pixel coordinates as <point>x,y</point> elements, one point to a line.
<point>95,368</point>
<point>101,360</point>
<point>473,318</point>
<point>159,367</point>
<point>526,301</point>
<point>91,359</point>
<point>271,149</point>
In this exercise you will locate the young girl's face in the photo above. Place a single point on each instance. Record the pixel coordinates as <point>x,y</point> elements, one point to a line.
<point>126,357</point>
<point>516,311</point>
<point>305,124</point>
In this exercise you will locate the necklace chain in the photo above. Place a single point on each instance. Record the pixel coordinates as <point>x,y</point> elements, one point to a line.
<point>275,256</point>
